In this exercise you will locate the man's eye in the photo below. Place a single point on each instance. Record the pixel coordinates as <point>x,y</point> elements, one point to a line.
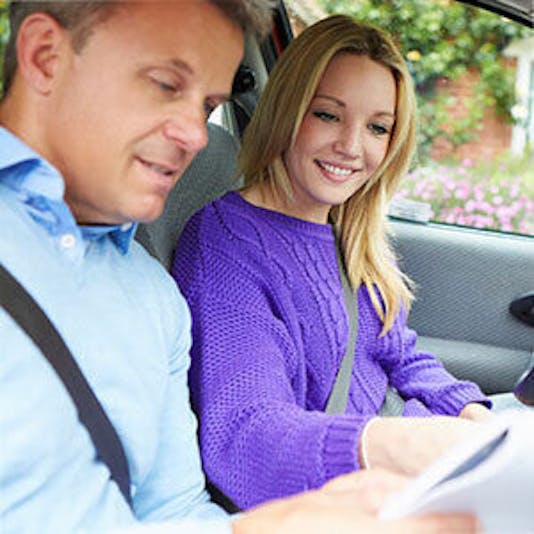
<point>208,109</point>
<point>166,87</point>
<point>164,83</point>
<point>325,116</point>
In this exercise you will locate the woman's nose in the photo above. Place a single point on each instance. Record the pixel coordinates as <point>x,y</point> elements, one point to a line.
<point>350,141</point>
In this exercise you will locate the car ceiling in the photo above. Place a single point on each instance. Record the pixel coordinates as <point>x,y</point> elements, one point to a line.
<point>519,10</point>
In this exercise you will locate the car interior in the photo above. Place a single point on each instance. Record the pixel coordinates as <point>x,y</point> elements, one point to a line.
<point>467,279</point>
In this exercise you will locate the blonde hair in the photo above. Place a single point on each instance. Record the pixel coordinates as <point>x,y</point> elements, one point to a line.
<point>360,223</point>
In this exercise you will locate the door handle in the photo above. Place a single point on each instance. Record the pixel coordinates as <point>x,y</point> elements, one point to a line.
<point>524,391</point>
<point>522,308</point>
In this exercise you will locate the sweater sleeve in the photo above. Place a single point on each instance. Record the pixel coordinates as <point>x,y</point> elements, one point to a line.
<point>419,375</point>
<point>258,440</point>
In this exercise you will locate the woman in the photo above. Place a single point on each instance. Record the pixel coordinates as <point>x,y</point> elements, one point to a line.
<point>333,134</point>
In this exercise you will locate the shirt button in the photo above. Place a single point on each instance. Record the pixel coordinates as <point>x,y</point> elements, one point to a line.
<point>126,226</point>
<point>67,241</point>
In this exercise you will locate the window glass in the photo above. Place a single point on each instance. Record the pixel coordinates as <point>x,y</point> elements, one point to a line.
<point>474,73</point>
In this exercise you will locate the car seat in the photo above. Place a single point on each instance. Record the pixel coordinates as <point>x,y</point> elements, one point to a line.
<point>211,174</point>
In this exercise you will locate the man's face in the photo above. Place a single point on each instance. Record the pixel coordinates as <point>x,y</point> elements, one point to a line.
<point>127,114</point>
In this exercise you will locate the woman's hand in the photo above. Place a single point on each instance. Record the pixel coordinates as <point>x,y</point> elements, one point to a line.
<point>408,445</point>
<point>476,412</point>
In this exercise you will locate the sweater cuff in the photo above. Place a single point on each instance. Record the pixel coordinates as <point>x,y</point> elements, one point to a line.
<point>341,445</point>
<point>454,400</point>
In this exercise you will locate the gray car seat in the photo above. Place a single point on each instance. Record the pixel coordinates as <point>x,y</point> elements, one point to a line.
<point>210,175</point>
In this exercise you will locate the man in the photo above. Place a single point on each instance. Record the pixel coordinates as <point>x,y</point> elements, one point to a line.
<point>105,106</point>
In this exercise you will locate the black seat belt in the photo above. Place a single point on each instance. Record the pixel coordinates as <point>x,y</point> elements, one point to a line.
<point>30,317</point>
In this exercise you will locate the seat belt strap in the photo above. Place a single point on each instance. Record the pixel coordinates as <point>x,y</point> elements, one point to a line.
<point>337,401</point>
<point>393,404</point>
<point>25,311</point>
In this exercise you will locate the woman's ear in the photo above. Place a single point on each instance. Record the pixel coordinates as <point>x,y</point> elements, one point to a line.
<point>39,44</point>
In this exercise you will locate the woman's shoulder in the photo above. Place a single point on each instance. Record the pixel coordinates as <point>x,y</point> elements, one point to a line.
<point>232,222</point>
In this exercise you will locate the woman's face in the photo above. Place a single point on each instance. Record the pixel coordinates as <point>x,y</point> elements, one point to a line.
<point>344,135</point>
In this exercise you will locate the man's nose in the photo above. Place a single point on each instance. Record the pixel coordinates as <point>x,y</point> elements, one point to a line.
<point>187,128</point>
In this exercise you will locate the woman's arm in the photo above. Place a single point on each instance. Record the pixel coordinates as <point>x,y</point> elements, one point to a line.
<point>419,375</point>
<point>249,380</point>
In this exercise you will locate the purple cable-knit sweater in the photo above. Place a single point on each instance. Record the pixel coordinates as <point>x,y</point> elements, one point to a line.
<point>269,333</point>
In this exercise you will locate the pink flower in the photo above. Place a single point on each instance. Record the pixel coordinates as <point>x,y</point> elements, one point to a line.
<point>470,206</point>
<point>480,222</point>
<point>526,228</point>
<point>461,193</point>
<point>503,212</point>
<point>478,193</point>
<point>467,162</point>
<point>488,208</point>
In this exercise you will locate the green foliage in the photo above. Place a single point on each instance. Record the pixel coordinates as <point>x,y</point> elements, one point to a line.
<point>4,32</point>
<point>442,39</point>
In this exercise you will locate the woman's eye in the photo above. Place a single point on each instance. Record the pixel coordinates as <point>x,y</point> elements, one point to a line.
<point>379,129</point>
<point>325,116</point>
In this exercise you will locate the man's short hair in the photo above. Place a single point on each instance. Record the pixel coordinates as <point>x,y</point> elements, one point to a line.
<point>254,16</point>
<point>80,18</point>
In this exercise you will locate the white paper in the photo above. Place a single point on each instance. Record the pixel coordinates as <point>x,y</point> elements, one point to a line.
<point>492,477</point>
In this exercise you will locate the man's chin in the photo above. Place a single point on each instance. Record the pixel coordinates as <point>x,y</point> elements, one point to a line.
<point>150,213</point>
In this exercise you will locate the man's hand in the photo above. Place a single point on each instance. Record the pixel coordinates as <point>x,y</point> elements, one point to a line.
<point>347,504</point>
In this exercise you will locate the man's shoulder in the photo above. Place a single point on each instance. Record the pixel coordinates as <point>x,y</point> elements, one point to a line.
<point>152,272</point>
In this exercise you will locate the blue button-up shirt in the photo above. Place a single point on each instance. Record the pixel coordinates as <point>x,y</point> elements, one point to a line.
<point>129,331</point>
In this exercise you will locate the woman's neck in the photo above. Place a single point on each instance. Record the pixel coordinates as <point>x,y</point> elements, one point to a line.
<point>262,196</point>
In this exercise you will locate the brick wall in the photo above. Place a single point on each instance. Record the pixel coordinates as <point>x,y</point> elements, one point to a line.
<point>493,138</point>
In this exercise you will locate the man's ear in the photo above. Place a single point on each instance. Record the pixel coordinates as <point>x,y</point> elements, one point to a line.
<point>39,45</point>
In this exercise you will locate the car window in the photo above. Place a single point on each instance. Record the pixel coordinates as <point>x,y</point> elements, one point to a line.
<point>474,75</point>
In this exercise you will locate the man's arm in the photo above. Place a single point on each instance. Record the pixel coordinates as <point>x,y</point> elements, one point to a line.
<point>175,486</point>
<point>346,505</point>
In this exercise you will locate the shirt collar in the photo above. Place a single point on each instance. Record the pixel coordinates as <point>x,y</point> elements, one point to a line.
<point>30,174</point>
<point>121,234</point>
<point>28,170</point>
